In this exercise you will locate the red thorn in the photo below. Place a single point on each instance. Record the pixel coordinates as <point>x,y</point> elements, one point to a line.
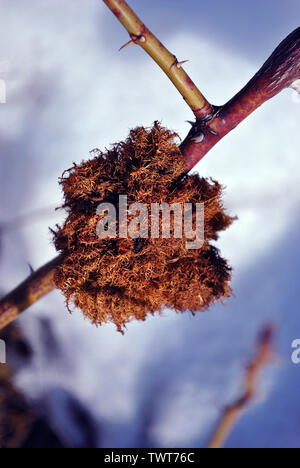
<point>134,39</point>
<point>131,42</point>
<point>177,64</point>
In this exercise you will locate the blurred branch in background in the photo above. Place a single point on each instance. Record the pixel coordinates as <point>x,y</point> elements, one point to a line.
<point>27,218</point>
<point>16,418</point>
<point>24,423</point>
<point>233,412</point>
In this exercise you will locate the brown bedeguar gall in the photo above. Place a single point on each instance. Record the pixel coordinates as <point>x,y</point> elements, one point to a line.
<point>118,279</point>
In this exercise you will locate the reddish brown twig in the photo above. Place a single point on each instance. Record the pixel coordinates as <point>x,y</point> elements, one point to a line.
<point>280,71</point>
<point>30,291</point>
<point>234,411</point>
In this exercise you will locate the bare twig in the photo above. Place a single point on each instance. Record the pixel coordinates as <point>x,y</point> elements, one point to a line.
<point>280,71</point>
<point>141,36</point>
<point>234,411</point>
<point>30,291</point>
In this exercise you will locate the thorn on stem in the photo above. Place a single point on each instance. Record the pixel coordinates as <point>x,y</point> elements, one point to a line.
<point>177,64</point>
<point>134,39</point>
<point>131,42</point>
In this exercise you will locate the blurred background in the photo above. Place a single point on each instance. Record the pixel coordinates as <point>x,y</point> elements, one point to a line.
<point>69,90</point>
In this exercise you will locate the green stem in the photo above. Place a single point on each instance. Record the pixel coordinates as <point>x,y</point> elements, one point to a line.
<point>141,36</point>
